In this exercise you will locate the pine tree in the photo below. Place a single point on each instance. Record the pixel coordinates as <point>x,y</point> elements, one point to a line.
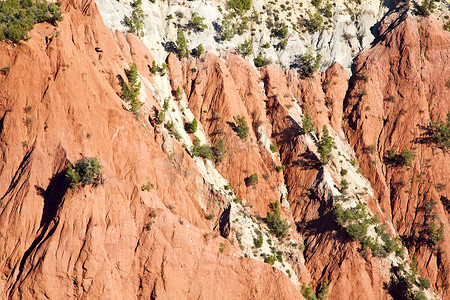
<point>325,145</point>
<point>130,90</point>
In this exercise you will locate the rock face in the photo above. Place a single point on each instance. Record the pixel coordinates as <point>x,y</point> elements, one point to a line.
<point>182,237</point>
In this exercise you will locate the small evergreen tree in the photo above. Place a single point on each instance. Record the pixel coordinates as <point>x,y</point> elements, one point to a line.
<point>326,143</point>
<point>307,122</point>
<point>130,90</point>
<point>199,51</point>
<point>276,225</point>
<point>193,126</point>
<point>241,127</point>
<point>87,170</point>
<point>219,150</point>
<point>182,46</point>
<point>135,23</point>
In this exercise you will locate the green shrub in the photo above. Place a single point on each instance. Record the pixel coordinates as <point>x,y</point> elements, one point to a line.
<point>181,44</point>
<point>307,122</point>
<point>240,5</point>
<point>426,8</point>
<point>424,283</point>
<point>219,150</point>
<point>441,132</point>
<point>147,186</point>
<point>252,179</point>
<point>274,146</point>
<point>309,64</point>
<point>271,259</point>
<point>199,51</point>
<point>210,216</point>
<point>17,17</point>
<point>281,31</point>
<point>170,126</point>
<point>258,242</point>
<point>407,157</point>
<point>309,294</point>
<point>241,127</point>
<point>314,23</point>
<point>193,126</point>
<point>246,48</point>
<point>435,234</point>
<point>280,168</point>
<point>344,185</point>
<point>130,90</point>
<point>229,186</point>
<point>196,23</point>
<point>326,143</point>
<point>260,61</point>
<point>344,172</point>
<point>203,151</point>
<point>87,170</point>
<point>276,225</point>
<point>135,23</point>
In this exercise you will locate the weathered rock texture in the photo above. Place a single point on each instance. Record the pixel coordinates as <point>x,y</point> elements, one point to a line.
<point>60,101</point>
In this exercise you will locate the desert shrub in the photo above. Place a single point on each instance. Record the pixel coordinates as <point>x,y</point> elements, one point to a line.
<point>130,90</point>
<point>135,23</point>
<point>435,234</point>
<point>147,186</point>
<point>87,170</point>
<point>307,122</point>
<point>199,51</point>
<point>344,172</point>
<point>196,23</point>
<point>252,179</point>
<point>420,295</point>
<point>258,242</point>
<point>229,186</point>
<point>274,146</point>
<point>276,225</point>
<point>240,6</point>
<point>309,64</point>
<point>241,127</point>
<point>326,143</point>
<point>193,126</point>
<point>424,283</point>
<point>203,151</point>
<point>441,132</point>
<point>170,126</point>
<point>344,185</point>
<point>271,259</point>
<point>280,168</point>
<point>281,31</point>
<point>260,61</point>
<point>181,44</point>
<point>17,17</point>
<point>219,150</point>
<point>406,157</point>
<point>246,48</point>
<point>210,216</point>
<point>426,8</point>
<point>308,293</point>
<point>314,23</point>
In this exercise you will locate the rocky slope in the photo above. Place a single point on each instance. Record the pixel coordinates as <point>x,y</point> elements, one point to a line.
<point>189,235</point>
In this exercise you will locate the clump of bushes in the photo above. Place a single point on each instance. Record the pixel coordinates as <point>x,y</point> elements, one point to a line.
<point>309,64</point>
<point>170,126</point>
<point>135,23</point>
<point>260,61</point>
<point>241,127</point>
<point>204,150</point>
<point>403,159</point>
<point>240,6</point>
<point>326,143</point>
<point>87,170</point>
<point>246,48</point>
<point>17,17</point>
<point>193,126</point>
<point>181,44</point>
<point>130,90</point>
<point>219,150</point>
<point>309,294</point>
<point>307,122</point>
<point>252,179</point>
<point>434,233</point>
<point>277,226</point>
<point>270,259</point>
<point>196,23</point>
<point>258,242</point>
<point>441,132</point>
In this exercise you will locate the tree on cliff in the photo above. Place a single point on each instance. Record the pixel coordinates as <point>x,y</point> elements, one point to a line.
<point>326,143</point>
<point>130,90</point>
<point>135,23</point>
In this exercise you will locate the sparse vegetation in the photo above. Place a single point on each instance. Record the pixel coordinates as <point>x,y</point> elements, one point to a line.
<point>246,48</point>
<point>260,61</point>
<point>280,168</point>
<point>274,146</point>
<point>277,226</point>
<point>258,242</point>
<point>196,23</point>
<point>147,186</point>
<point>130,90</point>
<point>326,143</point>
<point>270,259</point>
<point>182,46</point>
<point>17,17</point>
<point>203,151</point>
<point>441,132</point>
<point>240,6</point>
<point>307,122</point>
<point>309,294</point>
<point>135,23</point>
<point>87,170</point>
<point>241,127</point>
<point>193,126</point>
<point>199,51</point>
<point>309,64</point>
<point>252,179</point>
<point>210,216</point>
